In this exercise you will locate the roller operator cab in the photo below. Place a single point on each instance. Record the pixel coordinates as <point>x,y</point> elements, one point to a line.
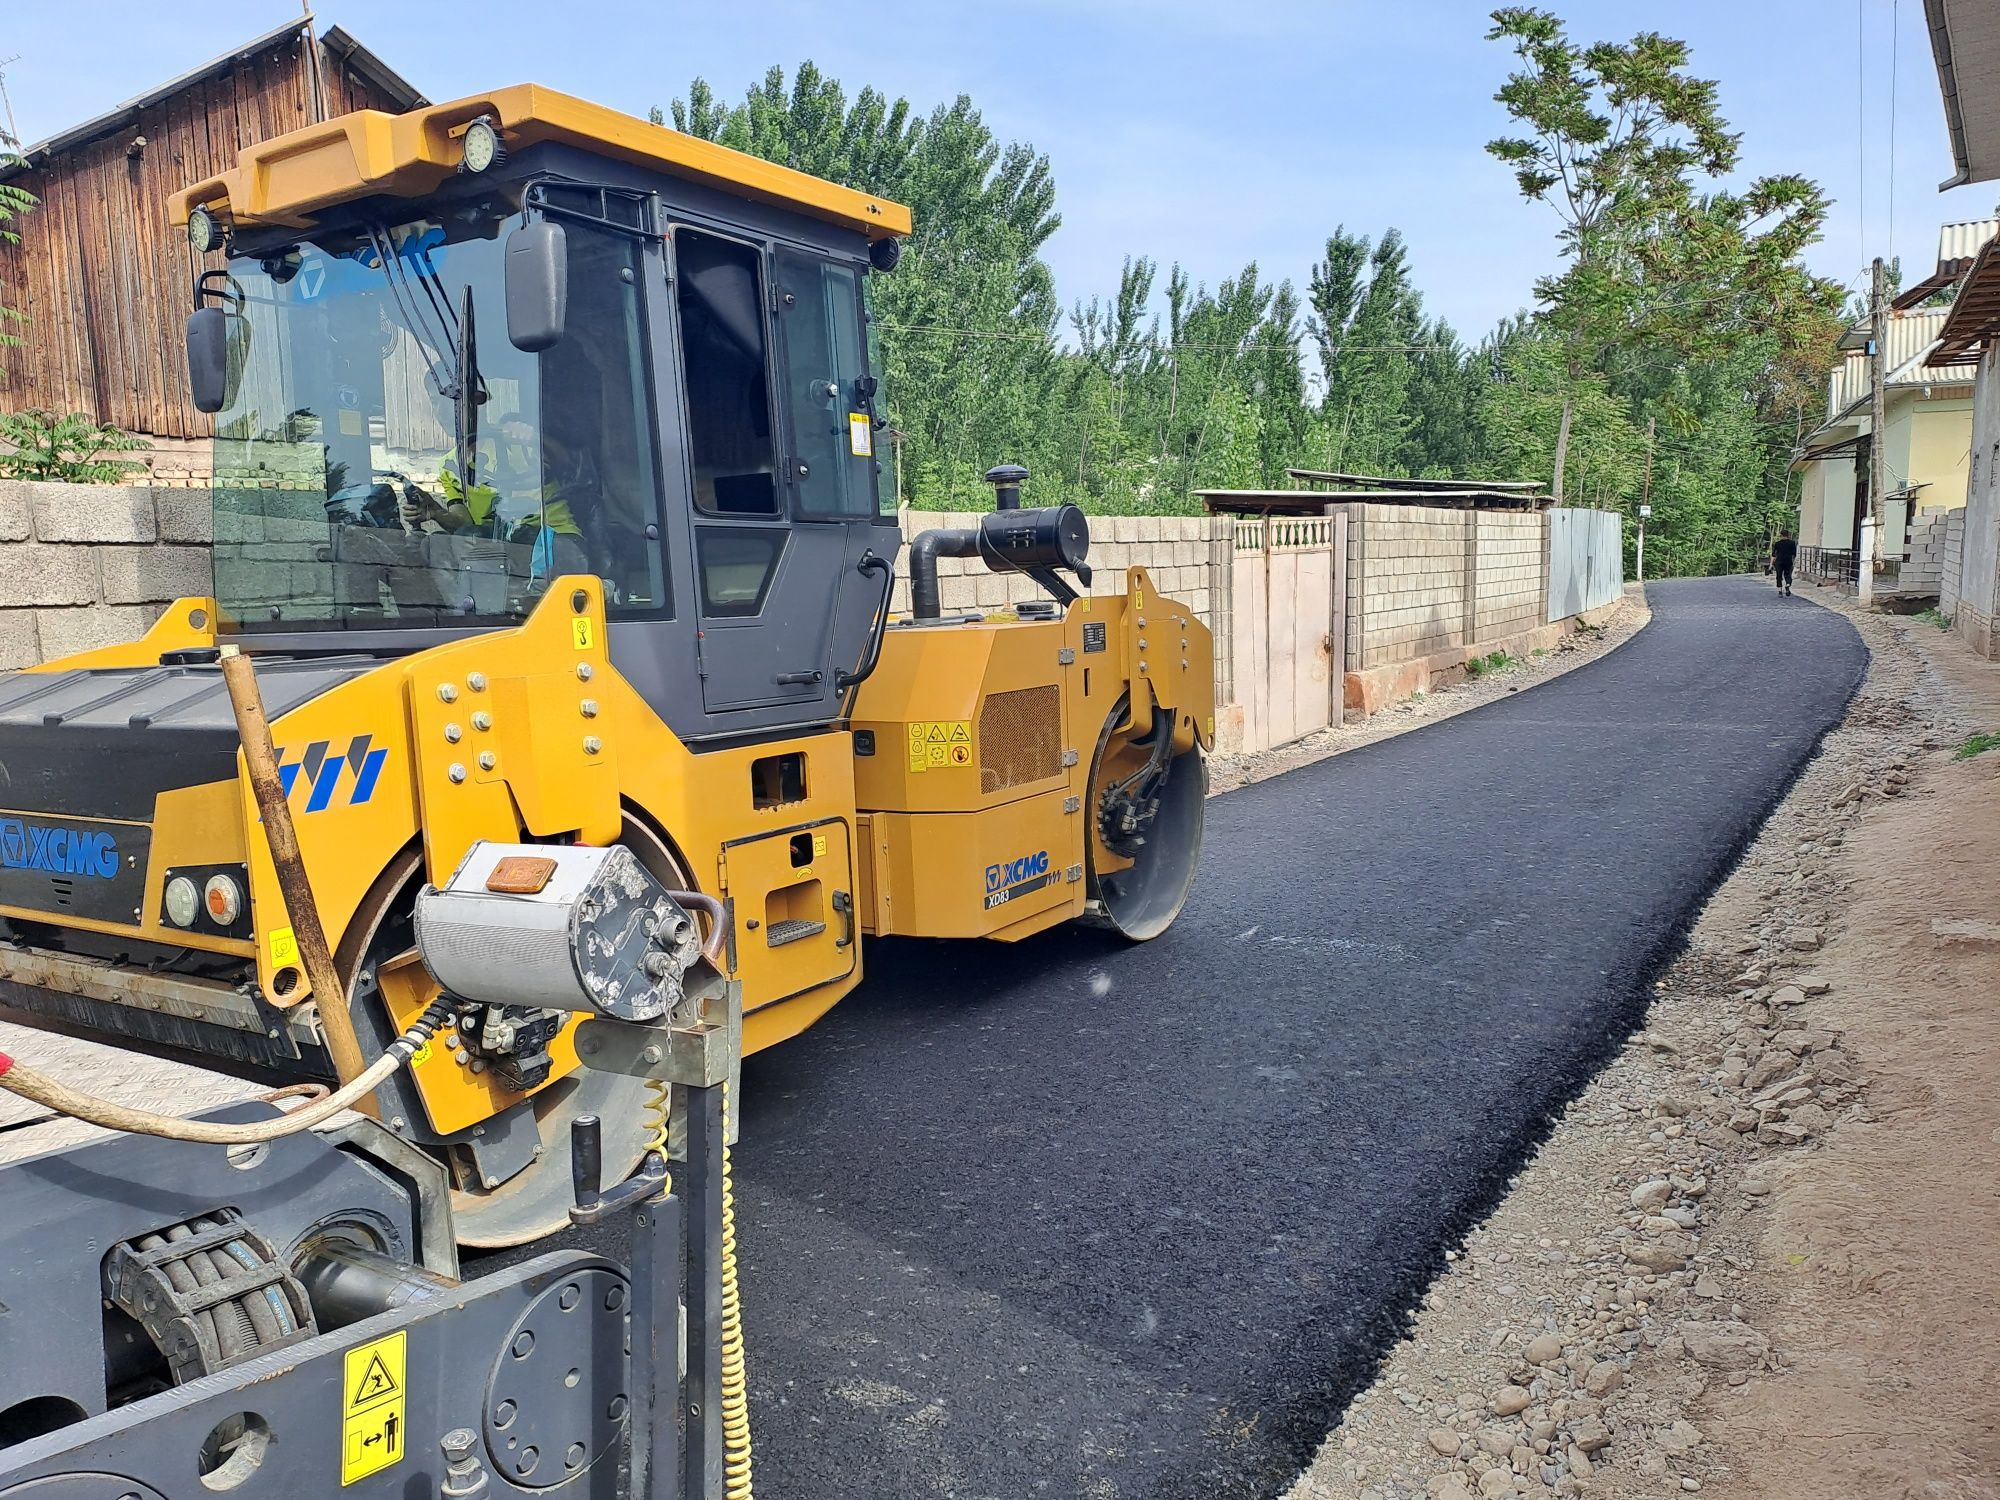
<point>548,502</point>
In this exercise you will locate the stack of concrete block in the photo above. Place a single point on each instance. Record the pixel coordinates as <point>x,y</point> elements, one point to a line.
<point>1924,550</point>
<point>83,566</point>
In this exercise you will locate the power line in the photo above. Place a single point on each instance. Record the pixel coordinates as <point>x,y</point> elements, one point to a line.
<point>1895,39</point>
<point>1861,123</point>
<point>1168,350</point>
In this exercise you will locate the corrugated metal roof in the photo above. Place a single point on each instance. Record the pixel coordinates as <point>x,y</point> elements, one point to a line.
<point>1974,318</point>
<point>1911,336</point>
<point>1960,242</point>
<point>1957,245</point>
<point>342,46</point>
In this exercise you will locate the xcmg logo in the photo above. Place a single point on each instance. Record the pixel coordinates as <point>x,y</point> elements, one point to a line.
<point>58,850</point>
<point>1027,867</point>
<point>320,769</point>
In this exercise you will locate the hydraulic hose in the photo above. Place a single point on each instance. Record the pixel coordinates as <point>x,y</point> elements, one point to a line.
<point>718,922</point>
<point>27,1082</point>
<point>735,1386</point>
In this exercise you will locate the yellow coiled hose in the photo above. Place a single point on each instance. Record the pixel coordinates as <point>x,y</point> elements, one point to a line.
<point>657,1098</point>
<point>735,1390</point>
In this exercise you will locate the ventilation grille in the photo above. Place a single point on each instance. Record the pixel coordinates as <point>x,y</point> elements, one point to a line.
<point>1020,737</point>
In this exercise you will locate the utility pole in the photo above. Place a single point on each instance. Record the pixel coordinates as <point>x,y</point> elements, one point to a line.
<point>1645,505</point>
<point>1878,447</point>
<point>13,134</point>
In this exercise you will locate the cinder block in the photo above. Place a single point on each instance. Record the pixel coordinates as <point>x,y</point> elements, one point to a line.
<point>93,512</point>
<point>184,515</point>
<point>39,573</point>
<point>20,645</point>
<point>16,524</point>
<point>64,631</point>
<point>153,575</point>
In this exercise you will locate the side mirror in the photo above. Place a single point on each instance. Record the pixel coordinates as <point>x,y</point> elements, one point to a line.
<point>537,286</point>
<point>208,358</point>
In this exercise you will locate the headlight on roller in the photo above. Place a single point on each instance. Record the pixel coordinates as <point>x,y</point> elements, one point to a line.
<point>183,901</point>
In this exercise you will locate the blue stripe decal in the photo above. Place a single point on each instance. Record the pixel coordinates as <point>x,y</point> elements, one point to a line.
<point>323,784</point>
<point>364,785</point>
<point>287,775</point>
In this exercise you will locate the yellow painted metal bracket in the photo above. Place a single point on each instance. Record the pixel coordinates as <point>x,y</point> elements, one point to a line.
<point>508,734</point>
<point>1172,653</point>
<point>186,624</point>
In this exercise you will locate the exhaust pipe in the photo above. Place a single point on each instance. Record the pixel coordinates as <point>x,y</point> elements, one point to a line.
<point>1009,539</point>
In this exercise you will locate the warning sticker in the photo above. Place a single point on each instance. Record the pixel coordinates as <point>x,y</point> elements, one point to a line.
<point>940,743</point>
<point>860,435</point>
<point>284,947</point>
<point>819,846</point>
<point>371,1407</point>
<point>582,634</point>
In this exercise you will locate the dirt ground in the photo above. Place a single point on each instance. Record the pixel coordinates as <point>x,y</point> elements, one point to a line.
<point>1758,1257</point>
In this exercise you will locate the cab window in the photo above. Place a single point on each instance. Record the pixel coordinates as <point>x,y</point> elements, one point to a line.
<point>730,432</point>
<point>830,399</point>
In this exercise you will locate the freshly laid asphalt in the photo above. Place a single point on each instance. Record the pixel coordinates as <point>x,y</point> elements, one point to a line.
<point>1071,1218</point>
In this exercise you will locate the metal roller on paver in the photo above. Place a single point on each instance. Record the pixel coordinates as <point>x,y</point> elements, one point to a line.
<point>548,505</point>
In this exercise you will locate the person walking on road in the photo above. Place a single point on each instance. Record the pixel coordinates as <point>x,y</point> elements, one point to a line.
<point>1784,551</point>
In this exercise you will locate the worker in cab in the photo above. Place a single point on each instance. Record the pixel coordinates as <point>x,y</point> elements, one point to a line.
<point>505,472</point>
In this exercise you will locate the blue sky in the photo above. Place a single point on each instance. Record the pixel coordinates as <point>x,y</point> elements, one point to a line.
<point>1188,130</point>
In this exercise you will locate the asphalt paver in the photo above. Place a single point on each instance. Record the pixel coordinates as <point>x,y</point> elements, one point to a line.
<point>1072,1218</point>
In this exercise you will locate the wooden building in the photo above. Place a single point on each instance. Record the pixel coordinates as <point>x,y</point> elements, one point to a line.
<point>101,276</point>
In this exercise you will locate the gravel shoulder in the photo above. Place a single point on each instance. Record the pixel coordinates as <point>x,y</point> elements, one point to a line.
<point>1756,1257</point>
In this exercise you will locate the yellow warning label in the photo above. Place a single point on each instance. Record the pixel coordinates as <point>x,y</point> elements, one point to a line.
<point>819,845</point>
<point>582,633</point>
<point>860,435</point>
<point>372,1435</point>
<point>284,947</point>
<point>940,742</point>
<point>421,1056</point>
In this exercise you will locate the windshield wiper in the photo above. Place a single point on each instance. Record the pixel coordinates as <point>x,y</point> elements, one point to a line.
<point>429,344</point>
<point>451,360</point>
<point>466,393</point>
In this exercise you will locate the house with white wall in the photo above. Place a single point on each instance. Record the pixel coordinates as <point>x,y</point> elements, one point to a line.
<point>1927,438</point>
<point>1965,43</point>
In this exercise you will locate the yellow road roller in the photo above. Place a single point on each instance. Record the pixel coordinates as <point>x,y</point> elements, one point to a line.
<point>549,509</point>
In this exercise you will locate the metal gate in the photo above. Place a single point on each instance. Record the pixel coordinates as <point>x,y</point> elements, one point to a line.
<point>1288,626</point>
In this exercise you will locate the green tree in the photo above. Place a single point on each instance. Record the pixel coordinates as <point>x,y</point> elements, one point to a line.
<point>15,201</point>
<point>1366,323</point>
<point>1616,133</point>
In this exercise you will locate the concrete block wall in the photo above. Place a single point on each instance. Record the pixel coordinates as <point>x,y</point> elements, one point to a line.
<point>83,566</point>
<point>1952,569</point>
<point>1179,551</point>
<point>1406,586</point>
<point>1508,582</point>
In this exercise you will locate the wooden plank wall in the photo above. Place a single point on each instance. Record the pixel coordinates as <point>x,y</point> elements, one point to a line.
<point>102,277</point>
